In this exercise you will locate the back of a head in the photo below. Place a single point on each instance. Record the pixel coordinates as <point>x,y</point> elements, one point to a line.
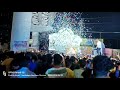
<point>82,63</point>
<point>72,59</point>
<point>24,63</point>
<point>102,63</point>
<point>118,63</point>
<point>57,59</point>
<point>34,57</point>
<point>84,59</point>
<point>10,54</point>
<point>39,56</point>
<point>28,56</point>
<point>44,59</point>
<point>49,58</point>
<point>67,57</point>
<point>75,66</point>
<point>18,57</point>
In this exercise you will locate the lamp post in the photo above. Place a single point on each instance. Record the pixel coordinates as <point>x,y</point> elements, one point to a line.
<point>30,42</point>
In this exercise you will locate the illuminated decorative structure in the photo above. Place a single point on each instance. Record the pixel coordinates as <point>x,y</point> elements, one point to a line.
<point>65,24</point>
<point>64,40</point>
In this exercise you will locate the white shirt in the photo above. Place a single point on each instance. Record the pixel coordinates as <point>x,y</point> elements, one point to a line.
<point>100,44</point>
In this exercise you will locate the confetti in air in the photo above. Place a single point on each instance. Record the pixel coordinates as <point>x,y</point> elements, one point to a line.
<point>67,28</point>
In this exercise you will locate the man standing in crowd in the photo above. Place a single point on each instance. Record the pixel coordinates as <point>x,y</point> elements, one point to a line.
<point>100,47</point>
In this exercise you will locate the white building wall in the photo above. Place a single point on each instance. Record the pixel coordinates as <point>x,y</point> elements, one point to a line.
<point>20,29</point>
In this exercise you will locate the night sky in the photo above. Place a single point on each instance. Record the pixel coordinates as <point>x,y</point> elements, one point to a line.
<point>5,26</point>
<point>103,22</point>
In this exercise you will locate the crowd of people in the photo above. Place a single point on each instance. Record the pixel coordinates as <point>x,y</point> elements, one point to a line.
<point>39,65</point>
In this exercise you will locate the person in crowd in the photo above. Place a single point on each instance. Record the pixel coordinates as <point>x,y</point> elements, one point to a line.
<point>8,60</point>
<point>2,69</point>
<point>49,59</point>
<point>33,64</point>
<point>15,64</point>
<point>75,66</point>
<point>100,47</point>
<point>112,73</point>
<point>44,64</point>
<point>117,72</point>
<point>42,68</point>
<point>82,62</point>
<point>24,71</point>
<point>58,71</point>
<point>73,62</point>
<point>88,64</point>
<point>101,66</point>
<point>37,65</point>
<point>78,71</point>
<point>88,69</point>
<point>68,63</point>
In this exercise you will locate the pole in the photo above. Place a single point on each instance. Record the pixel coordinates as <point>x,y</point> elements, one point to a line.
<point>100,35</point>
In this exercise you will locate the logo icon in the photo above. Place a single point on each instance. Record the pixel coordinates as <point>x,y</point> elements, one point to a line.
<point>4,73</point>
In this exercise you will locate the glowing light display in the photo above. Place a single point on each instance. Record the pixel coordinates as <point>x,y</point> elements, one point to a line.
<point>64,40</point>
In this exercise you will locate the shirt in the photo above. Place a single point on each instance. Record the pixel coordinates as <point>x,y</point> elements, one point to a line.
<point>78,73</point>
<point>117,73</point>
<point>32,66</point>
<point>61,72</point>
<point>7,63</point>
<point>99,44</point>
<point>24,72</point>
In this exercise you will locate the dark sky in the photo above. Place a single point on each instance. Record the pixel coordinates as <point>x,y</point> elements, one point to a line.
<point>5,26</point>
<point>103,22</point>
